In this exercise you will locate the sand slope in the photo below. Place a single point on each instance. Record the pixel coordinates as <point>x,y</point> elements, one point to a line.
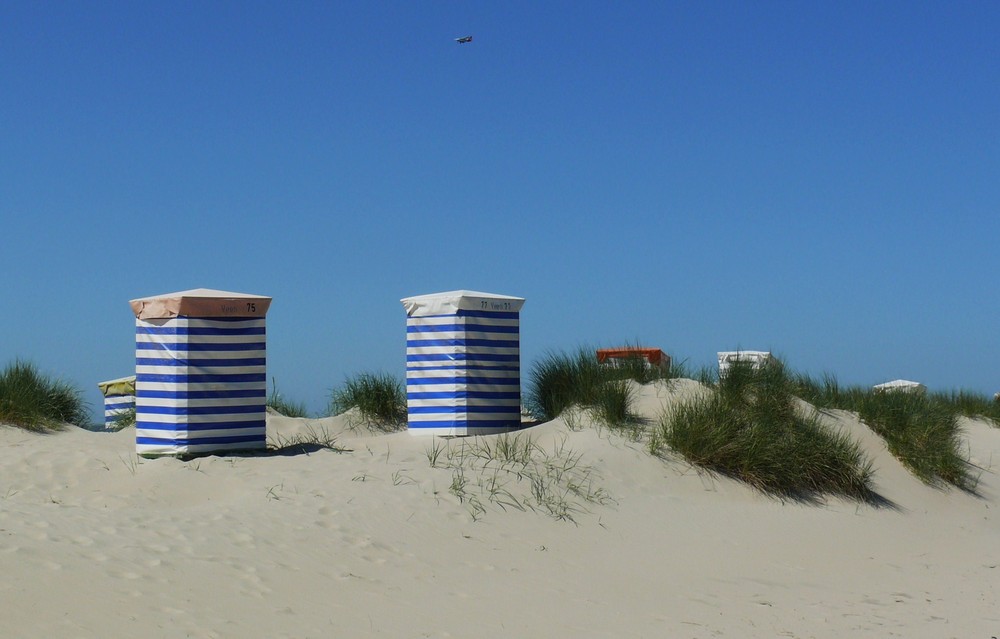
<point>373,541</point>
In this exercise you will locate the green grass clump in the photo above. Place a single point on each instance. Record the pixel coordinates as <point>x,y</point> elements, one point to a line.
<point>34,401</point>
<point>378,397</point>
<point>560,380</point>
<point>922,433</point>
<point>278,403</point>
<point>969,404</point>
<point>920,430</point>
<point>124,419</point>
<point>748,429</point>
<point>828,393</point>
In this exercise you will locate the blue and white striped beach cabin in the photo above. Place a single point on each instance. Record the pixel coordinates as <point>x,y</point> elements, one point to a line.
<point>119,398</point>
<point>463,368</point>
<point>200,372</point>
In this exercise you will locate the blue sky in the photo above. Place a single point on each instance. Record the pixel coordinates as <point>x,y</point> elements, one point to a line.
<point>817,179</point>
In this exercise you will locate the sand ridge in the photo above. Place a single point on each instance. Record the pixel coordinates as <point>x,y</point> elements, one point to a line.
<point>372,540</point>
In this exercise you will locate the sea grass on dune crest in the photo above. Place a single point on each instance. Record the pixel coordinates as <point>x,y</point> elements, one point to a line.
<point>284,406</point>
<point>561,380</point>
<point>38,402</point>
<point>920,430</point>
<point>378,397</point>
<point>970,404</point>
<point>749,429</point>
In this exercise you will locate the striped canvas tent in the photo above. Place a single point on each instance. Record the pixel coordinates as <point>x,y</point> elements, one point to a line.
<point>119,398</point>
<point>463,371</point>
<point>200,372</point>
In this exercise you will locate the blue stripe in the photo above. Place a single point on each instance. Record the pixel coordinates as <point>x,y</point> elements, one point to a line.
<point>199,410</point>
<point>490,381</point>
<point>201,379</point>
<point>257,423</point>
<point>156,361</point>
<point>458,357</point>
<point>238,439</point>
<point>471,423</point>
<point>516,368</point>
<point>460,328</point>
<point>198,330</point>
<point>488,314</point>
<point>119,406</point>
<point>484,314</point>
<point>201,346</point>
<point>445,410</point>
<point>488,343</point>
<point>216,394</point>
<point>465,395</point>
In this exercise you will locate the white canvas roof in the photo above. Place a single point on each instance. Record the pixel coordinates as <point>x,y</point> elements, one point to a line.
<point>743,356</point>
<point>900,384</point>
<point>200,302</point>
<point>450,301</point>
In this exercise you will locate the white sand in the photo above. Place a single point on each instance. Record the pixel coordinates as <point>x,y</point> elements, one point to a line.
<point>371,542</point>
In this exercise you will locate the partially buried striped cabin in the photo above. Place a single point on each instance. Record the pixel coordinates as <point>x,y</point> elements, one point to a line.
<point>463,369</point>
<point>201,376</point>
<point>119,399</point>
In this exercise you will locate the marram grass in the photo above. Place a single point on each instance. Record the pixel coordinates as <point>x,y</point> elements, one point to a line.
<point>920,430</point>
<point>284,406</point>
<point>748,429</point>
<point>378,397</point>
<point>922,433</point>
<point>561,380</point>
<point>38,402</point>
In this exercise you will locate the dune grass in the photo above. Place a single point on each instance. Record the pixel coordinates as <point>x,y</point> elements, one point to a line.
<point>280,404</point>
<point>749,429</point>
<point>561,380</point>
<point>920,430</point>
<point>969,404</point>
<point>379,398</point>
<point>513,472</point>
<point>35,401</point>
<point>124,419</point>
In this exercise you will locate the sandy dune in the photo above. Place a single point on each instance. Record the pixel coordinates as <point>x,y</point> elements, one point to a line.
<point>374,541</point>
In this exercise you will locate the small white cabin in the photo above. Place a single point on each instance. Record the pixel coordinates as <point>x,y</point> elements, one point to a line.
<point>757,359</point>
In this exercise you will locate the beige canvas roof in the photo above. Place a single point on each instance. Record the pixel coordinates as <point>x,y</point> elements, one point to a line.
<point>120,386</point>
<point>200,302</point>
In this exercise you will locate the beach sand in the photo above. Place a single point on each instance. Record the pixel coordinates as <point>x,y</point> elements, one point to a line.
<point>374,541</point>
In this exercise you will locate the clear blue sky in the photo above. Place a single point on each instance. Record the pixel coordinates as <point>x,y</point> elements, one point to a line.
<point>818,179</point>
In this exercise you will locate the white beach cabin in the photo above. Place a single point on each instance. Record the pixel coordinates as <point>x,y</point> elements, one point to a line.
<point>463,363</point>
<point>119,398</point>
<point>900,386</point>
<point>757,359</point>
<point>200,372</point>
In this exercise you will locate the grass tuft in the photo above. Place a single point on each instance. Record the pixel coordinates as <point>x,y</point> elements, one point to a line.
<point>560,380</point>
<point>969,404</point>
<point>749,429</point>
<point>124,419</point>
<point>378,397</point>
<point>278,403</point>
<point>920,430</point>
<point>512,471</point>
<point>37,402</point>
